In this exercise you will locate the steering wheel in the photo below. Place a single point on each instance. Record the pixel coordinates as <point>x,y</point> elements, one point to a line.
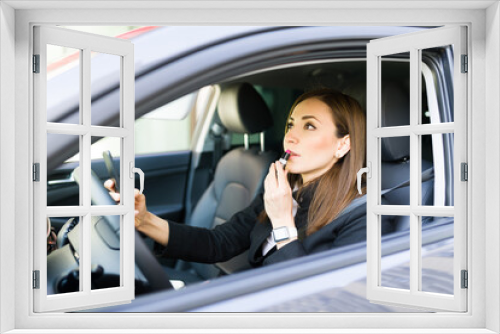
<point>144,259</point>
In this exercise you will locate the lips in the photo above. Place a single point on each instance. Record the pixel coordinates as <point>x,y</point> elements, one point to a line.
<point>294,154</point>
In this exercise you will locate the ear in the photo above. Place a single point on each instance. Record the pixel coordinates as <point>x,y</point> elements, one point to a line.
<point>344,146</point>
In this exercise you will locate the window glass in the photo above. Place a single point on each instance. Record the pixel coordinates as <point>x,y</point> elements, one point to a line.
<point>395,170</point>
<point>113,145</point>
<point>395,258</point>
<point>162,135</point>
<point>437,73</point>
<point>105,89</point>
<point>437,258</point>
<point>57,179</point>
<point>59,236</point>
<point>437,169</point>
<point>63,84</point>
<point>168,128</point>
<point>106,254</point>
<point>395,90</point>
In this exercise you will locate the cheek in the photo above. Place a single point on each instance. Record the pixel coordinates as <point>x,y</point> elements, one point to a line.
<point>324,146</point>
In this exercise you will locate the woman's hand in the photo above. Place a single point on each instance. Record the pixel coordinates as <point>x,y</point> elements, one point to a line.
<point>278,197</point>
<point>140,209</point>
<point>140,203</point>
<point>110,185</point>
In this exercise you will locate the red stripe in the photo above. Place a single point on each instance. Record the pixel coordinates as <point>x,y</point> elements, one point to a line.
<point>74,56</point>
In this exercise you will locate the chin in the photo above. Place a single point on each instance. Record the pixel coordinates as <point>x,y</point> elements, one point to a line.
<point>293,170</point>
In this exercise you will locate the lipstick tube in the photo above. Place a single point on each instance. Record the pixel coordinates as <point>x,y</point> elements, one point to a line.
<point>284,158</point>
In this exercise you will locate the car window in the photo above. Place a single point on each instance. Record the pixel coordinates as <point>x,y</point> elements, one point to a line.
<point>168,128</point>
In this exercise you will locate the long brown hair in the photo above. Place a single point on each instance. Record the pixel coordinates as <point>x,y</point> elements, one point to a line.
<point>335,189</point>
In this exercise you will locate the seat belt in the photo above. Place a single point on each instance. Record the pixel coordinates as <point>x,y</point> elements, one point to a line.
<point>216,132</point>
<point>426,176</point>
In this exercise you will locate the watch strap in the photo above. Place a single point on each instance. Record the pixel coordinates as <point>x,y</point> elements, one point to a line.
<point>284,233</point>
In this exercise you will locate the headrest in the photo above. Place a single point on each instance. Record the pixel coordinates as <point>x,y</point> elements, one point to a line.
<point>243,110</point>
<point>395,112</point>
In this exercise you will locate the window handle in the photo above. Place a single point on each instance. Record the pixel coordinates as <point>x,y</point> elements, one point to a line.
<point>368,172</point>
<point>141,179</point>
<point>139,171</point>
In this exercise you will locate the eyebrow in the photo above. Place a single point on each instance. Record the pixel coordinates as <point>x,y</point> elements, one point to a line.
<point>306,117</point>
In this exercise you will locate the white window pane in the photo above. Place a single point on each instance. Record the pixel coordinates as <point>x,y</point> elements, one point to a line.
<point>438,257</point>
<point>106,255</point>
<point>62,254</point>
<point>395,170</point>
<point>112,146</point>
<point>395,90</point>
<point>437,169</point>
<point>395,268</point>
<point>105,76</point>
<point>62,190</point>
<point>63,84</point>
<point>437,81</point>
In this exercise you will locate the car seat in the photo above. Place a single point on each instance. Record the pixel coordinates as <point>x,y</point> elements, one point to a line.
<point>395,168</point>
<point>238,177</point>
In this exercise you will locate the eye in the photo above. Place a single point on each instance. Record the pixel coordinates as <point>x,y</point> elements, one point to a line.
<point>309,126</point>
<point>289,126</point>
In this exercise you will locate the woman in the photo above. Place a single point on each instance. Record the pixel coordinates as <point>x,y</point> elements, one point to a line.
<point>303,208</point>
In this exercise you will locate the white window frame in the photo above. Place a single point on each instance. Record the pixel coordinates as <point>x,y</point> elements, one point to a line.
<point>413,44</point>
<point>124,51</point>
<point>484,102</point>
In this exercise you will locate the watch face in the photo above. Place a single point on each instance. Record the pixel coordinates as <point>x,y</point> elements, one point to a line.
<point>280,234</point>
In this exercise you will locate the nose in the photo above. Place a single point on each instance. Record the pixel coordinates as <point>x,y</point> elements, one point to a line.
<point>291,137</point>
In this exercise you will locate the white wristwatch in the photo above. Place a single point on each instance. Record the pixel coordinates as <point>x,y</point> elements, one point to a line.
<point>284,233</point>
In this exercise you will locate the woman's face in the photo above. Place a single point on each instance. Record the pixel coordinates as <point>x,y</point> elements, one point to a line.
<point>312,140</point>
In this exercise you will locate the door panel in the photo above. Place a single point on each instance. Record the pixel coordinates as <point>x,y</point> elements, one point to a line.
<point>165,184</point>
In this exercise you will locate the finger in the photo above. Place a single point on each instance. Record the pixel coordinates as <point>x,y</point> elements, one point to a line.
<point>274,174</point>
<point>139,198</point>
<point>284,175</point>
<point>109,184</point>
<point>266,181</point>
<point>270,181</point>
<point>115,196</point>
<point>280,174</point>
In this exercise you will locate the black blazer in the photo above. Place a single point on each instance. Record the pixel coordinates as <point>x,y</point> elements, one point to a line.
<point>244,232</point>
